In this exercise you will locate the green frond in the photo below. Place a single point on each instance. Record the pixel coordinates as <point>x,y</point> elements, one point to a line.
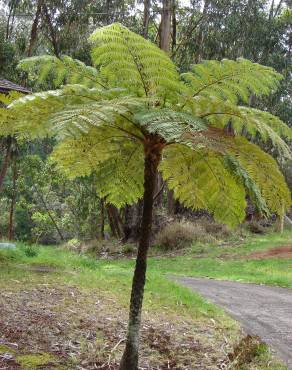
<point>249,166</point>
<point>7,99</point>
<point>252,189</point>
<point>244,120</point>
<point>264,172</point>
<point>231,80</point>
<point>126,59</point>
<point>169,124</point>
<point>60,71</point>
<point>201,181</point>
<point>117,164</point>
<point>69,111</point>
<point>7,122</point>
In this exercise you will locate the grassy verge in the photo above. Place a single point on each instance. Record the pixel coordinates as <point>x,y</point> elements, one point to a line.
<point>233,263</point>
<point>72,311</point>
<point>90,297</point>
<point>229,261</point>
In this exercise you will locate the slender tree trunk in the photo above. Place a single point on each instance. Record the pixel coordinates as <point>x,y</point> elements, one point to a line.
<point>130,357</point>
<point>52,31</point>
<point>102,218</point>
<point>174,26</point>
<point>34,29</point>
<point>200,38</point>
<point>13,200</point>
<point>165,29</point>
<point>49,212</point>
<point>115,221</point>
<point>6,160</point>
<point>146,18</point>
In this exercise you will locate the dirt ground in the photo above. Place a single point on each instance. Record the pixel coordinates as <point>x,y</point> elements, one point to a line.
<point>47,325</point>
<point>280,252</point>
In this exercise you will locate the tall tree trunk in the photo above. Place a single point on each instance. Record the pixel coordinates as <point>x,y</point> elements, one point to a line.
<point>146,18</point>
<point>34,29</point>
<point>165,29</point>
<point>151,161</point>
<point>102,218</point>
<point>52,32</point>
<point>115,221</point>
<point>200,38</point>
<point>174,26</point>
<point>13,200</point>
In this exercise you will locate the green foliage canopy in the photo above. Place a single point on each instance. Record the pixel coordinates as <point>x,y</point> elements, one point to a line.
<point>102,118</point>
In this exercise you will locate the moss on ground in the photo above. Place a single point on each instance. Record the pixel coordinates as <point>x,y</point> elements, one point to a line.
<point>6,349</point>
<point>33,361</point>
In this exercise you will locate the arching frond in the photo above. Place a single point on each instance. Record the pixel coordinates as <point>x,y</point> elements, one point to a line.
<point>231,80</point>
<point>70,110</point>
<point>60,71</point>
<point>252,189</point>
<point>243,120</point>
<point>128,60</point>
<point>201,181</point>
<point>117,164</point>
<point>7,99</point>
<point>250,166</point>
<point>169,124</point>
<point>265,173</point>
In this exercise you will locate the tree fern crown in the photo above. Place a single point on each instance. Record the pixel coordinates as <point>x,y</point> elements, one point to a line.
<point>104,116</point>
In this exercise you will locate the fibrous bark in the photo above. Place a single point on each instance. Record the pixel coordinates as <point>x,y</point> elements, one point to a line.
<point>152,158</point>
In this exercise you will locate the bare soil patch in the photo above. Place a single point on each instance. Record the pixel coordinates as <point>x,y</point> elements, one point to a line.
<point>280,252</point>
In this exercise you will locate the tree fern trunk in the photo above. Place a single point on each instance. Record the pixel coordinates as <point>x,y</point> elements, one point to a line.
<point>130,357</point>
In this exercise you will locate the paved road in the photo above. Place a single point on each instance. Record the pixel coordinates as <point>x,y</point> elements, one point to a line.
<point>262,310</point>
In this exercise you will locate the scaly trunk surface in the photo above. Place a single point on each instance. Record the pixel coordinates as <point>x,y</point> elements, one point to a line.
<point>151,161</point>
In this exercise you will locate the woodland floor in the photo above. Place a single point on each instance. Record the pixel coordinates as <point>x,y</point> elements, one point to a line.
<point>63,311</point>
<point>69,327</point>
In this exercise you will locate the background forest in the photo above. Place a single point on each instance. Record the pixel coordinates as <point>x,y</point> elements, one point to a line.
<point>38,203</point>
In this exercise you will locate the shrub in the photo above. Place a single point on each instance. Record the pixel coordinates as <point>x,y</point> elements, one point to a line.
<point>73,245</point>
<point>256,227</point>
<point>181,234</point>
<point>128,248</point>
<point>247,349</point>
<point>30,251</point>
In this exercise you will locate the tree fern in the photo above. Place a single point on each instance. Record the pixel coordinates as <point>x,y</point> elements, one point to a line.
<point>133,113</point>
<point>135,96</point>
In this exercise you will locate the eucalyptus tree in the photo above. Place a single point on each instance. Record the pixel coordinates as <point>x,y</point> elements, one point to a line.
<point>133,114</point>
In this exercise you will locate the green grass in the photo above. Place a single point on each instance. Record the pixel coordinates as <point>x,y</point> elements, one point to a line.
<point>226,261</point>
<point>231,263</point>
<point>114,276</point>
